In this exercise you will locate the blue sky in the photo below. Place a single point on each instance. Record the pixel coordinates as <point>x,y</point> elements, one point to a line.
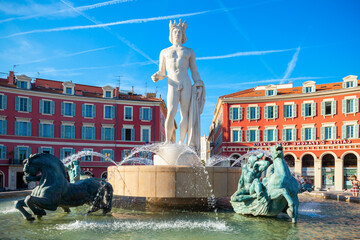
<point>239,44</point>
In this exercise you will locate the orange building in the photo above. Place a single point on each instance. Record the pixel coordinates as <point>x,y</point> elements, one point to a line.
<point>318,125</point>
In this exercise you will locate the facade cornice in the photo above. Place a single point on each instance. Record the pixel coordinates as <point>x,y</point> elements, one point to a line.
<point>78,98</point>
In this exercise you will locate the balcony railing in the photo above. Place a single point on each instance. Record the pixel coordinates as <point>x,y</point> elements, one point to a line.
<point>13,161</point>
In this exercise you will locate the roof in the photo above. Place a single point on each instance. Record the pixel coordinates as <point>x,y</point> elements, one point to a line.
<point>252,92</point>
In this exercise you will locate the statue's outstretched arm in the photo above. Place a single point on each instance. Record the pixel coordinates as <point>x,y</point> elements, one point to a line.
<point>161,74</point>
<point>194,71</point>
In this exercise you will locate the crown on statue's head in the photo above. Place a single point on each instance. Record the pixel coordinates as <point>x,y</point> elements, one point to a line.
<point>182,26</point>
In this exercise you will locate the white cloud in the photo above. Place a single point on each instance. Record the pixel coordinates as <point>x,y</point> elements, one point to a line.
<point>291,65</point>
<point>238,54</point>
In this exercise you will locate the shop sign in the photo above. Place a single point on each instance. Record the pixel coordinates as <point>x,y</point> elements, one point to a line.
<point>303,143</point>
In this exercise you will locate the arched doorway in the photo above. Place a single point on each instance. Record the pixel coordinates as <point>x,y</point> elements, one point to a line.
<point>90,174</point>
<point>308,167</point>
<point>350,169</point>
<point>290,161</point>
<point>235,157</point>
<point>328,170</point>
<point>104,175</point>
<point>2,178</point>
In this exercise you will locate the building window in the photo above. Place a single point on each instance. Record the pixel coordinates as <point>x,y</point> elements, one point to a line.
<point>3,101</point>
<point>288,135</point>
<point>236,135</point>
<point>107,153</point>
<point>46,107</point>
<point>88,132</point>
<point>349,84</point>
<point>88,110</point>
<point>271,112</point>
<point>270,92</point>
<point>128,113</point>
<point>69,90</point>
<point>125,153</point>
<point>308,109</point>
<point>46,150</point>
<point>270,135</point>
<point>253,113</point>
<point>66,152</point>
<point>22,84</point>
<point>22,128</point>
<point>109,112</point>
<point>349,105</point>
<point>235,113</point>
<point>145,134</point>
<point>308,89</point>
<point>350,131</point>
<point>46,130</point>
<point>21,153</point>
<point>145,114</point>
<point>23,104</point>
<point>328,133</point>
<point>3,127</point>
<point>308,133</point>
<point>68,131</point>
<point>253,135</point>
<point>127,134</point>
<point>2,153</point>
<point>108,94</point>
<point>68,109</point>
<point>328,108</point>
<point>87,158</point>
<point>107,133</point>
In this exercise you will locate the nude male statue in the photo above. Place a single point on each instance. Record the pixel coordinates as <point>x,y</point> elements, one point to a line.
<point>176,60</point>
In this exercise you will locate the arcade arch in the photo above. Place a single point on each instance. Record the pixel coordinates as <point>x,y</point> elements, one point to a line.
<point>350,159</point>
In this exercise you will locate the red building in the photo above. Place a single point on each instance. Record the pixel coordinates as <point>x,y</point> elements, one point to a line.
<point>63,118</point>
<point>318,126</point>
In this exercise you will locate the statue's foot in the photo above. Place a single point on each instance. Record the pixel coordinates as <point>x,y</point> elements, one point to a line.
<point>30,218</point>
<point>293,220</point>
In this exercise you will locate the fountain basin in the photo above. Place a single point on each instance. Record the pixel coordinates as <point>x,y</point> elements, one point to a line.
<point>176,186</point>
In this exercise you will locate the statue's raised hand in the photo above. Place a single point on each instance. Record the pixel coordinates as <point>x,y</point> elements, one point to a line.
<point>157,76</point>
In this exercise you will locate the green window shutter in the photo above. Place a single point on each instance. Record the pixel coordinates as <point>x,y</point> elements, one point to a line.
<point>52,151</point>
<point>304,89</point>
<point>3,127</point>
<point>132,134</point>
<point>275,92</point>
<point>52,130</point>
<point>231,114</point>
<point>322,129</point>
<point>265,135</point>
<point>123,134</point>
<point>112,134</point>
<point>240,136</point>
<point>62,109</point>
<point>94,111</point>
<point>266,112</point>
<point>28,152</point>
<point>83,132</point>
<point>3,152</point>
<point>4,101</point>
<point>355,83</point>
<point>313,134</point>
<point>73,132</point>
<point>240,113</point>
<point>356,131</point>
<point>275,134</point>
<point>16,150</point>
<point>83,110</point>
<point>112,154</point>
<point>322,108</point>
<point>257,112</point>
<point>313,109</point>
<point>122,155</point>
<point>141,113</point>
<point>294,135</point>
<point>61,154</point>
<point>150,114</point>
<point>41,104</point>
<point>102,133</point>
<point>62,133</point>
<point>356,105</point>
<point>112,112</point>
<point>17,99</point>
<point>294,108</point>
<point>29,129</point>
<point>102,158</point>
<point>284,135</point>
<point>17,128</point>
<point>302,134</point>
<point>333,107</point>
<point>334,132</point>
<point>247,112</point>
<point>40,130</point>
<point>93,133</point>
<point>344,105</point>
<point>40,149</point>
<point>248,135</point>
<point>276,109</point>
<point>52,107</point>
<point>258,135</point>
<point>29,105</point>
<point>284,111</point>
<point>266,93</point>
<point>73,109</point>
<point>344,84</point>
<point>303,109</point>
<point>343,130</point>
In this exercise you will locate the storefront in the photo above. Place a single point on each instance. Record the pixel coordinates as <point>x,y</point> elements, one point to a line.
<point>328,171</point>
<point>308,167</point>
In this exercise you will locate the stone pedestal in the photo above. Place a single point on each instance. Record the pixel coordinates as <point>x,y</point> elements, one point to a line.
<point>173,185</point>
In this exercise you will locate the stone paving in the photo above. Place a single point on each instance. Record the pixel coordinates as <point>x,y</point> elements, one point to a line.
<point>334,195</point>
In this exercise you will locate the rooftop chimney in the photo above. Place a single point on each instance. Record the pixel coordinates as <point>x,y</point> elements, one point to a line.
<point>11,78</point>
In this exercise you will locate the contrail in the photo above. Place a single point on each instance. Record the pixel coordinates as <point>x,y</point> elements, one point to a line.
<point>106,28</point>
<point>101,25</point>
<point>250,53</point>
<point>291,65</point>
<point>65,55</point>
<point>81,8</point>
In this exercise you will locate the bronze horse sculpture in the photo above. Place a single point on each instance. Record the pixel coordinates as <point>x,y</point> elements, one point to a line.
<point>55,191</point>
<point>276,193</point>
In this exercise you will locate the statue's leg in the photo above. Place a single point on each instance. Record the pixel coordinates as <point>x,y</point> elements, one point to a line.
<point>66,209</point>
<point>185,100</point>
<point>37,210</point>
<point>108,198</point>
<point>275,193</point>
<point>172,105</point>
<point>19,205</point>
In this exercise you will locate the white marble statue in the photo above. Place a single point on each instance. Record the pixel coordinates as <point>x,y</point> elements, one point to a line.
<point>177,60</point>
